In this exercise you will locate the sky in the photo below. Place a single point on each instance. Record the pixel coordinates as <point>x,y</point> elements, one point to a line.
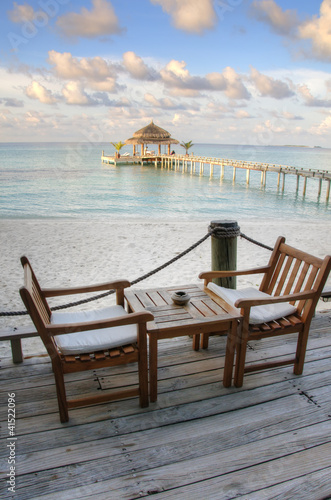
<point>253,72</point>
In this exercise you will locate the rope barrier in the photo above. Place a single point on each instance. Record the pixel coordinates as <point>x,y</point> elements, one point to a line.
<point>255,242</point>
<point>219,232</point>
<point>225,232</point>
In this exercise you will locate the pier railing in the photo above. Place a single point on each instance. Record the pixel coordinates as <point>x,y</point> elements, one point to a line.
<point>198,164</point>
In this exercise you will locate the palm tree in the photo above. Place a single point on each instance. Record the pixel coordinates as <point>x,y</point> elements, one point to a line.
<point>187,145</point>
<point>118,146</point>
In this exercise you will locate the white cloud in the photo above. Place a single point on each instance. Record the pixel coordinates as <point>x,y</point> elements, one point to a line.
<point>317,30</point>
<point>6,118</point>
<point>33,118</point>
<point>282,22</point>
<point>21,13</point>
<point>95,72</point>
<point>310,100</point>
<point>287,115</point>
<point>241,113</point>
<point>217,108</point>
<point>235,89</point>
<point>193,16</point>
<point>37,91</point>
<point>75,94</point>
<point>269,126</point>
<point>164,103</point>
<point>12,102</point>
<point>324,128</point>
<point>137,68</point>
<point>178,92</point>
<point>100,20</point>
<point>269,87</point>
<point>176,76</point>
<point>217,81</point>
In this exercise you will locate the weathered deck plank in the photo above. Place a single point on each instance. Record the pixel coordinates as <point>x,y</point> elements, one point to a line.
<point>199,440</point>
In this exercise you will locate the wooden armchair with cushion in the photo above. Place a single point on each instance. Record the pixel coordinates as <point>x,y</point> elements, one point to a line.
<point>285,303</point>
<point>88,340</point>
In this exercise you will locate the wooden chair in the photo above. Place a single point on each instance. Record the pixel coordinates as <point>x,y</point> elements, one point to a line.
<point>88,340</point>
<point>292,278</point>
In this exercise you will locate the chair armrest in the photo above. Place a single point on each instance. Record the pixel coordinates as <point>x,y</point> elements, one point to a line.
<point>129,319</point>
<point>224,274</point>
<point>112,285</point>
<point>244,303</point>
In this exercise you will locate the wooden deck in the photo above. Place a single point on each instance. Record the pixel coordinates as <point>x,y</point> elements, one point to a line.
<point>269,439</point>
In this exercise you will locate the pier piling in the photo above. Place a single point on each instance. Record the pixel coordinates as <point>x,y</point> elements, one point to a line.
<point>176,162</point>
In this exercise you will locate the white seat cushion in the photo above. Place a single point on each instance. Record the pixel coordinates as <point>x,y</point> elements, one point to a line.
<point>258,314</point>
<point>93,340</point>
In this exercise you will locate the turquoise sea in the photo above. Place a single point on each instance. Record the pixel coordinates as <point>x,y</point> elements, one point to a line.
<point>68,180</point>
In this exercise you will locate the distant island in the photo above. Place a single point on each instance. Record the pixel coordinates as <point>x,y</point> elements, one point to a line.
<point>294,146</point>
<point>300,146</point>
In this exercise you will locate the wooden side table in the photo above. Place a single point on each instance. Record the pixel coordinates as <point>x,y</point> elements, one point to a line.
<point>204,313</point>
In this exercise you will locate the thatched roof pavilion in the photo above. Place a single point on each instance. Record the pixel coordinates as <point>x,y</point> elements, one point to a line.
<point>151,134</point>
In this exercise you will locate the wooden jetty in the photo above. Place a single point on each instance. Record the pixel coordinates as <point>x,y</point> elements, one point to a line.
<point>269,439</point>
<point>199,164</point>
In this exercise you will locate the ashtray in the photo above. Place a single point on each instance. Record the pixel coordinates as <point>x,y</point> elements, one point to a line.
<point>180,298</point>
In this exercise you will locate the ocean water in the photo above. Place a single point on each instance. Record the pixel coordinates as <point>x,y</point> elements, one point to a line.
<point>68,180</point>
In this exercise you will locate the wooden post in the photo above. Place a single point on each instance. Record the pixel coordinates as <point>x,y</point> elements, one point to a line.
<point>319,187</point>
<point>247,176</point>
<point>234,175</point>
<point>328,190</point>
<point>304,187</point>
<point>298,180</point>
<point>224,250</point>
<point>283,186</point>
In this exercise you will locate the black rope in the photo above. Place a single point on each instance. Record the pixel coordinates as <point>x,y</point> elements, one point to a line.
<point>171,261</point>
<point>219,232</point>
<point>255,242</point>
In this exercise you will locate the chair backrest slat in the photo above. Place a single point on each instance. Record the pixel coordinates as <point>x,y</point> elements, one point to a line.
<point>293,271</point>
<point>37,306</point>
<point>275,276</point>
<point>293,276</point>
<point>308,285</point>
<point>288,262</point>
<point>38,299</point>
<point>299,254</point>
<point>302,277</point>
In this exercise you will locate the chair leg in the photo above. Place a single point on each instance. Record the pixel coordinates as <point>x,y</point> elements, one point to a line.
<point>61,393</point>
<point>143,367</point>
<point>229,354</point>
<point>301,351</point>
<point>241,346</point>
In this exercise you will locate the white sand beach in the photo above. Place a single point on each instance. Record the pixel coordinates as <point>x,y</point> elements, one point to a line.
<point>75,252</point>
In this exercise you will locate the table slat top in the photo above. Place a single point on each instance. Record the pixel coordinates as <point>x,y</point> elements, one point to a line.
<point>204,307</point>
